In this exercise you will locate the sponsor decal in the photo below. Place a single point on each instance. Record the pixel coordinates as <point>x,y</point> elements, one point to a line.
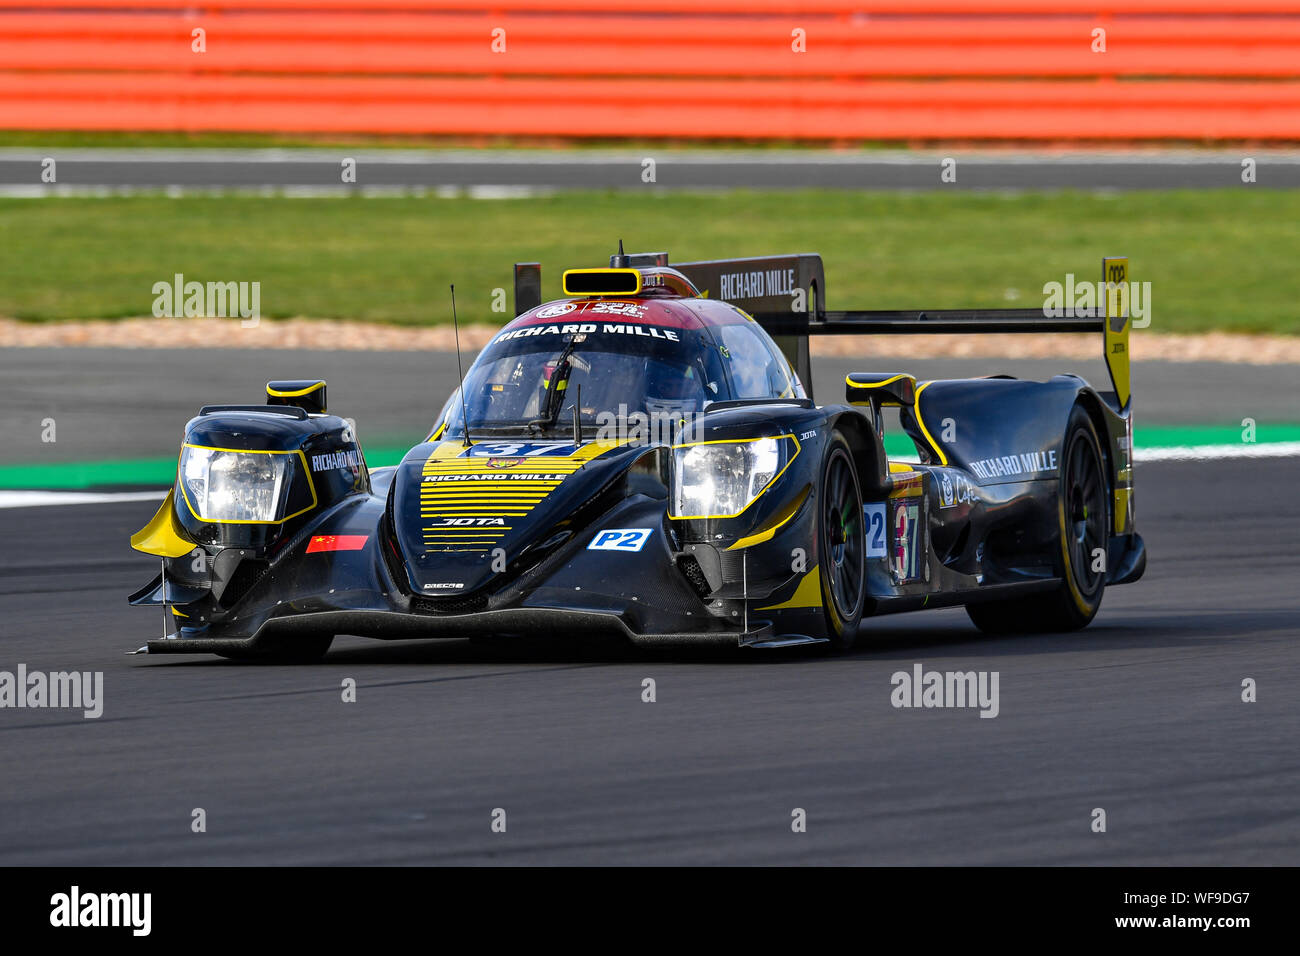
<point>647,331</point>
<point>809,434</point>
<point>620,539</point>
<point>511,476</point>
<point>469,523</point>
<point>910,485</point>
<point>955,489</point>
<point>1029,464</point>
<point>342,460</point>
<point>445,586</point>
<point>551,311</point>
<point>633,309</point>
<point>874,515</point>
<point>337,542</point>
<point>506,462</point>
<point>530,330</point>
<point>609,328</point>
<point>753,285</point>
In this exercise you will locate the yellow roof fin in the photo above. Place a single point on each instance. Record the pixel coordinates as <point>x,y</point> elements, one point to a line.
<point>602,282</point>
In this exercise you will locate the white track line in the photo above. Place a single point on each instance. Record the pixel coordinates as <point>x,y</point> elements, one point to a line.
<point>488,191</point>
<point>33,499</point>
<point>1276,449</point>
<point>1280,449</point>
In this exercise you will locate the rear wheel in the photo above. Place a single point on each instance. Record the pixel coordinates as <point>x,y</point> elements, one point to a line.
<point>1084,515</point>
<point>843,544</point>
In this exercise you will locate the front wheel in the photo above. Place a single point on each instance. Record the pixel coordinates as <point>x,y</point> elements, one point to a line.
<point>1084,514</point>
<point>843,544</point>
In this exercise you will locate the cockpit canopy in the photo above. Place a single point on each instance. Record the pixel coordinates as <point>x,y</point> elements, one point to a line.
<point>589,354</point>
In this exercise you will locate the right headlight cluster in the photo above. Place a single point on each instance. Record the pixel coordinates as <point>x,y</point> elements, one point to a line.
<point>720,479</point>
<point>244,487</point>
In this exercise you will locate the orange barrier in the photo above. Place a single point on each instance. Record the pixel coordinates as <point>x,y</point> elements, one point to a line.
<point>782,7</point>
<point>714,69</point>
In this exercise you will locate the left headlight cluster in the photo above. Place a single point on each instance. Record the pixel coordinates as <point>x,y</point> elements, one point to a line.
<point>722,479</point>
<point>247,487</point>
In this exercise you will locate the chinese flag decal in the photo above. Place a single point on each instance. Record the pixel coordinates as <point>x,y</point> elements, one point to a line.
<point>337,542</point>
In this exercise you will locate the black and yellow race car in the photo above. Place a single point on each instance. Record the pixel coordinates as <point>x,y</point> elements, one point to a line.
<point>643,458</point>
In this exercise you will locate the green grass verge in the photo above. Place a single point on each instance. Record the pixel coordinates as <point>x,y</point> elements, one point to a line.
<point>1216,259</point>
<point>159,472</point>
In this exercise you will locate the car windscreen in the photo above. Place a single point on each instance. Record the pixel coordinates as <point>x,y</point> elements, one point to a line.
<point>619,370</point>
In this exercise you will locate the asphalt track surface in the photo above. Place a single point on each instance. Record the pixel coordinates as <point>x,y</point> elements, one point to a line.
<point>1140,715</point>
<point>129,403</point>
<point>498,172</point>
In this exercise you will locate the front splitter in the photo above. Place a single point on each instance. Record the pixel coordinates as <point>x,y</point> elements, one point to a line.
<point>523,622</point>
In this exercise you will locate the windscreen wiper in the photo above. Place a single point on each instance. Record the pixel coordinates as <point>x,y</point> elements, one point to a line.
<point>559,384</point>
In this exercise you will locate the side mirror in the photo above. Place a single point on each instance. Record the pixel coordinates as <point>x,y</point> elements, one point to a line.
<point>878,390</point>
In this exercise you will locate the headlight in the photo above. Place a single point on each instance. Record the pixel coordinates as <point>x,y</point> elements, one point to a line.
<point>240,486</point>
<point>721,479</point>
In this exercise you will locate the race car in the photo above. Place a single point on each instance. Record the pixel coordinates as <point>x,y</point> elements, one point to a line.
<point>643,458</point>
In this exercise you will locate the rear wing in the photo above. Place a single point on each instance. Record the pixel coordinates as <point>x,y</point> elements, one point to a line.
<point>786,296</point>
<point>1110,317</point>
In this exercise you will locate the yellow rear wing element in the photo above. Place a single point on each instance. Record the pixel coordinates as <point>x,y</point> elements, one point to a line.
<point>1114,272</point>
<point>162,535</point>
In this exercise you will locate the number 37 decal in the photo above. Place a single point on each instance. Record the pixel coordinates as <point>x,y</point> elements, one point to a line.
<point>895,533</point>
<point>620,539</point>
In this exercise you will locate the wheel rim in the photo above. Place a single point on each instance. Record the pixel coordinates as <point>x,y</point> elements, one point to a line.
<point>1085,511</point>
<point>843,536</point>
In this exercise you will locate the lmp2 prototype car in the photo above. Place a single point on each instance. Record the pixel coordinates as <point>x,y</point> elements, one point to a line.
<point>643,459</point>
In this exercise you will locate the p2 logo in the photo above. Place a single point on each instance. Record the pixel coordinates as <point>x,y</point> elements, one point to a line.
<point>620,539</point>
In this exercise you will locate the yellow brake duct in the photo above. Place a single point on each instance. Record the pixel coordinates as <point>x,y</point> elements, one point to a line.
<point>162,535</point>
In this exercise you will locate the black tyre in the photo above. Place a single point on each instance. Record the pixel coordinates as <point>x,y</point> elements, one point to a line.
<point>842,544</point>
<point>301,650</point>
<point>1084,515</point>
